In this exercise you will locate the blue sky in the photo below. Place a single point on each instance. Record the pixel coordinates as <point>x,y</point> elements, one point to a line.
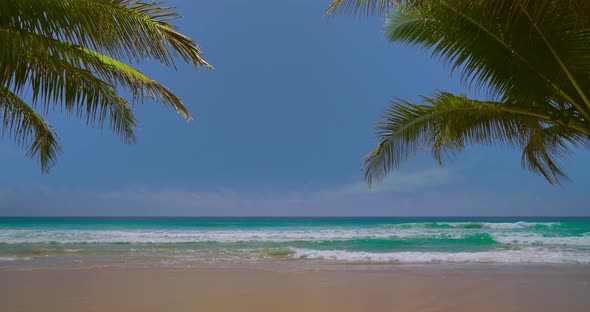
<point>281,126</point>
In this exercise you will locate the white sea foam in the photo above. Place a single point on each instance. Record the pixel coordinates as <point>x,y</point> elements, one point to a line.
<point>518,225</point>
<point>529,255</point>
<point>538,239</point>
<point>10,259</point>
<point>475,225</point>
<point>502,234</point>
<point>187,236</point>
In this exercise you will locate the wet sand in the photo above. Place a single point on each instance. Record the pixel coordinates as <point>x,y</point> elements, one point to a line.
<point>400,288</point>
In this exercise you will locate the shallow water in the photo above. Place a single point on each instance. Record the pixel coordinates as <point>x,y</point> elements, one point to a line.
<point>80,242</point>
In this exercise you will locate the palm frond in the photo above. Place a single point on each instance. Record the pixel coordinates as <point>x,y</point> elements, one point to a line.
<point>28,129</point>
<point>509,63</point>
<point>124,29</point>
<point>71,54</point>
<point>17,69</point>
<point>447,125</point>
<point>529,56</point>
<point>548,147</point>
<point>538,9</point>
<point>363,7</point>
<point>492,8</point>
<point>53,80</point>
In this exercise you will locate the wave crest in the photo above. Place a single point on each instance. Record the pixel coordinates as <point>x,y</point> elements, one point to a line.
<point>528,255</point>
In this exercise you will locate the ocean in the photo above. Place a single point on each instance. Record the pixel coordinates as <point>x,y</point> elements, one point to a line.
<point>100,242</point>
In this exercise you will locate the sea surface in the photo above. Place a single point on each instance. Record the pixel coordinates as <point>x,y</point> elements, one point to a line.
<point>92,242</point>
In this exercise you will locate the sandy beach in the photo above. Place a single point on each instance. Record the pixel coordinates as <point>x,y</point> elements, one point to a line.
<point>398,288</point>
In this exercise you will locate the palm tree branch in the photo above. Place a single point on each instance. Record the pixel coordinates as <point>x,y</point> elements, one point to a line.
<point>422,27</point>
<point>368,7</point>
<point>547,147</point>
<point>79,92</point>
<point>131,29</point>
<point>28,129</point>
<point>585,111</point>
<point>493,8</point>
<point>447,125</point>
<point>508,48</point>
<point>109,69</point>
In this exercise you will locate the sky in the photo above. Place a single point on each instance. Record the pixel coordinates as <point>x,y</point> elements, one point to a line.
<point>281,126</point>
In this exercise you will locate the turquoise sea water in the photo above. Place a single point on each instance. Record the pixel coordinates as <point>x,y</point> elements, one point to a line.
<point>76,242</point>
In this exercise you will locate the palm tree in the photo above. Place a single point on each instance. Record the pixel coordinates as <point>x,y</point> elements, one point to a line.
<point>530,58</point>
<point>70,54</point>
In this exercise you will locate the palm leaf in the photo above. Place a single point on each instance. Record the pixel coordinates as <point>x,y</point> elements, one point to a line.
<point>535,51</point>
<point>28,129</point>
<point>17,70</point>
<point>493,8</point>
<point>56,81</point>
<point>548,147</point>
<point>71,53</point>
<point>366,7</point>
<point>505,62</point>
<point>530,57</point>
<point>448,124</point>
<point>124,29</point>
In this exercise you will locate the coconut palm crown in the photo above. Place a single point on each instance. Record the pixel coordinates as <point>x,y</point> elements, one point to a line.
<point>531,60</point>
<point>71,55</point>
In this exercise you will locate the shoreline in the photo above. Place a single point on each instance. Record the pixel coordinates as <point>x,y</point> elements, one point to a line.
<point>294,265</point>
<point>404,287</point>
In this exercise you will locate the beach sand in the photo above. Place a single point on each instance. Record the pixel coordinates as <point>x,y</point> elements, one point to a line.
<point>396,288</point>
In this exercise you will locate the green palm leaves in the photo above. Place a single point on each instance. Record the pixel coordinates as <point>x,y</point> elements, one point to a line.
<point>21,123</point>
<point>532,58</point>
<point>449,122</point>
<point>71,53</point>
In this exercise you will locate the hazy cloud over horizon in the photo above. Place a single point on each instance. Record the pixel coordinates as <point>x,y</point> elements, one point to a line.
<point>420,193</point>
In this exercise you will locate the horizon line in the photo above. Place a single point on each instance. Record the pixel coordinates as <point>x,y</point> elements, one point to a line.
<point>294,217</point>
